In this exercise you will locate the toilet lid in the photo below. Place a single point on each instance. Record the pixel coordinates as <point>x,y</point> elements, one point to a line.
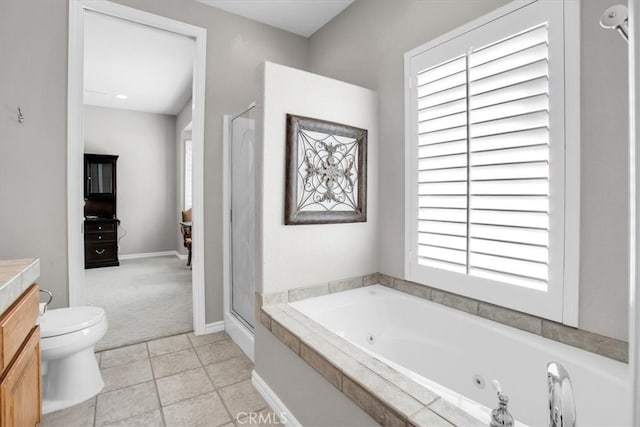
<point>66,320</point>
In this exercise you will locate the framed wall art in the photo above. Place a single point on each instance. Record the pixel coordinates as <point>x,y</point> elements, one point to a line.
<point>326,172</point>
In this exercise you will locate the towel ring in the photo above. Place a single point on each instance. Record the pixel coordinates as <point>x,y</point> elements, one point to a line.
<point>45,291</point>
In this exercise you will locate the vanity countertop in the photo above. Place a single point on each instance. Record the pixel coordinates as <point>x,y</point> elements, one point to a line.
<point>16,275</point>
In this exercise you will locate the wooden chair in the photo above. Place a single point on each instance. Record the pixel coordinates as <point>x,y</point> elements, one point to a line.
<point>186,233</point>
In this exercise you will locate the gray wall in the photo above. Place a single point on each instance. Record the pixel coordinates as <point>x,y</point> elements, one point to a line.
<point>311,398</point>
<point>604,291</point>
<point>365,45</point>
<point>33,190</point>
<point>184,118</point>
<point>147,180</point>
<point>33,155</point>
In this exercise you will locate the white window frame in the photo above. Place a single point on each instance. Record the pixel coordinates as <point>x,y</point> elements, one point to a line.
<point>560,303</point>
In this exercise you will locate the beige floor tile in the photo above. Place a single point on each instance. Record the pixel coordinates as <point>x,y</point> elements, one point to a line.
<point>242,398</point>
<point>205,410</point>
<point>122,355</point>
<point>183,386</point>
<point>125,403</point>
<point>148,419</point>
<point>122,376</point>
<point>218,351</point>
<point>173,363</point>
<point>77,416</point>
<point>198,340</point>
<point>230,371</point>
<point>169,345</point>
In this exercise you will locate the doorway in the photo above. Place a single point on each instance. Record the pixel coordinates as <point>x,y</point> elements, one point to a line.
<point>78,14</point>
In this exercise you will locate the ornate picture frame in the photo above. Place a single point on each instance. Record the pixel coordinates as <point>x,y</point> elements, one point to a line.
<point>326,172</point>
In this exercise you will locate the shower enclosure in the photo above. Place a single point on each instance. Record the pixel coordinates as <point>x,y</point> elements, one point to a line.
<point>242,216</point>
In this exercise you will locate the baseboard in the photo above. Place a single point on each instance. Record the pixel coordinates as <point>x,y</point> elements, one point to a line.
<point>181,256</point>
<point>240,334</point>
<point>274,401</point>
<point>150,255</point>
<point>211,328</point>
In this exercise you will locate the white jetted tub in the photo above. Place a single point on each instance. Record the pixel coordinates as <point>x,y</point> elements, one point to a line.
<point>448,351</point>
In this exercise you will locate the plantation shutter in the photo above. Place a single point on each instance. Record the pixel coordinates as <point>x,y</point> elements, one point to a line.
<point>486,161</point>
<point>443,165</point>
<point>509,160</point>
<point>483,161</point>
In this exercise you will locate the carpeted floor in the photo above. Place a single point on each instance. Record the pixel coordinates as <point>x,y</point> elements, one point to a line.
<point>145,299</point>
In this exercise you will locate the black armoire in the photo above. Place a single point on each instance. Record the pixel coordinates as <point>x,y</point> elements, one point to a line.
<point>100,214</point>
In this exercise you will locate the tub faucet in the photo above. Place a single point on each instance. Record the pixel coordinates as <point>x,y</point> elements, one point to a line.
<point>562,406</point>
<point>501,416</point>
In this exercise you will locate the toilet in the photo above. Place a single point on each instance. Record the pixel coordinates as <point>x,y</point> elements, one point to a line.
<point>70,372</point>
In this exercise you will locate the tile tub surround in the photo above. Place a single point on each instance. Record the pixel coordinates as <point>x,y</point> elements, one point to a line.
<point>584,340</point>
<point>594,343</point>
<point>16,275</point>
<point>182,380</point>
<point>386,395</point>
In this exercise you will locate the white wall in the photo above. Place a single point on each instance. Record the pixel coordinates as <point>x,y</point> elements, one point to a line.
<point>349,49</point>
<point>299,255</point>
<point>302,255</point>
<point>147,180</point>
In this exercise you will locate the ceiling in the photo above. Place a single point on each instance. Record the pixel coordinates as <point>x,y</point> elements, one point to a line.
<point>303,17</point>
<point>152,68</point>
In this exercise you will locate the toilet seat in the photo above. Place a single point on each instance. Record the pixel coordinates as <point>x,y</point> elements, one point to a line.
<point>63,321</point>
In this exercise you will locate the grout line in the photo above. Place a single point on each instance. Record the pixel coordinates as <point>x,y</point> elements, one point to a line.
<point>224,404</point>
<point>216,389</point>
<point>95,410</point>
<point>144,342</point>
<point>155,384</point>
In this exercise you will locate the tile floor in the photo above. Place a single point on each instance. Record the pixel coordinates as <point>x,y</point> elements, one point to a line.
<point>183,380</point>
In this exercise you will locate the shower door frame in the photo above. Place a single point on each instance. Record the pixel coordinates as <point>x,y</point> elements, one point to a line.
<point>634,207</point>
<point>235,327</point>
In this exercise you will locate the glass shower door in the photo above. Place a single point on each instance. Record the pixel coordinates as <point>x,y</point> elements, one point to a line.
<point>243,216</point>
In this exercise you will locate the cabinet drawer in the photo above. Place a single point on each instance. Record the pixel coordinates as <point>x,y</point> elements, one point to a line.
<point>99,237</point>
<point>16,323</point>
<point>97,253</point>
<point>99,227</point>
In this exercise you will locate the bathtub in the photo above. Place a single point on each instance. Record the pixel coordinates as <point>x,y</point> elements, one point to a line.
<point>456,355</point>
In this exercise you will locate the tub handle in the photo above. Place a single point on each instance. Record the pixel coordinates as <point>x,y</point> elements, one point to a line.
<point>500,416</point>
<point>44,306</point>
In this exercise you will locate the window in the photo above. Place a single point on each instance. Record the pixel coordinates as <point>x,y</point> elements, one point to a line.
<point>188,174</point>
<point>486,164</point>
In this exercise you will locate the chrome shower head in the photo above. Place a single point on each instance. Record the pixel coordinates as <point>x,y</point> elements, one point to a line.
<point>617,18</point>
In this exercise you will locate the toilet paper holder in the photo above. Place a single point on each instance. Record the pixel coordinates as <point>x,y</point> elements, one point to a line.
<point>43,306</point>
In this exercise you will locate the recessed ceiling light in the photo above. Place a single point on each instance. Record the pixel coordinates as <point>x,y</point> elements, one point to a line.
<point>121,96</point>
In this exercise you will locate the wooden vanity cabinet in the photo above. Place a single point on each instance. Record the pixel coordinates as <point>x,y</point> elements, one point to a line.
<point>20,387</point>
